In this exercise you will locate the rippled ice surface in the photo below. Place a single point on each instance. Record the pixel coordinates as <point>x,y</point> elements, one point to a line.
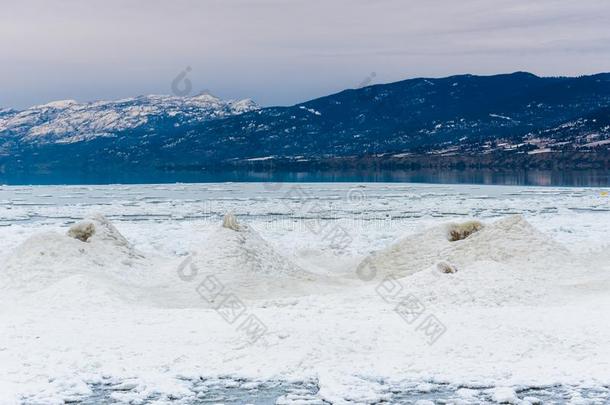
<point>152,215</point>
<point>222,391</point>
<point>238,392</point>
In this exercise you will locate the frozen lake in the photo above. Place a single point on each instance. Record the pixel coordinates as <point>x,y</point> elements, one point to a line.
<point>525,315</point>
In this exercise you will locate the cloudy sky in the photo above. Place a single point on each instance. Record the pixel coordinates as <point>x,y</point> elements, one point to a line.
<point>280,52</point>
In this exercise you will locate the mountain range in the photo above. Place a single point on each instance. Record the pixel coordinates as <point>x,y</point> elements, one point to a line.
<point>519,117</point>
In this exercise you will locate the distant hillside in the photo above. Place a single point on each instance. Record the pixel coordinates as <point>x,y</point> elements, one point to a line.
<point>515,115</point>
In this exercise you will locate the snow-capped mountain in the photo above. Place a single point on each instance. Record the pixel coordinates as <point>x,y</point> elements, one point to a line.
<point>68,121</point>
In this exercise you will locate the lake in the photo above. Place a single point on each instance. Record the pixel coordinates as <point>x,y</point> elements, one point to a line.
<point>567,178</point>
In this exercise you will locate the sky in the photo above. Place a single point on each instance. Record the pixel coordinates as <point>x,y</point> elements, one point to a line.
<point>281,52</point>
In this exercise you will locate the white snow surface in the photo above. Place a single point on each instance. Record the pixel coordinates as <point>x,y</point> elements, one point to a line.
<point>527,307</point>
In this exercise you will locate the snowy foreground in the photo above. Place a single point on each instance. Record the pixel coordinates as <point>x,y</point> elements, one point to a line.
<point>309,294</point>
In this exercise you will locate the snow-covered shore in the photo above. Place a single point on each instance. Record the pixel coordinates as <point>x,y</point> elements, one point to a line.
<point>332,283</point>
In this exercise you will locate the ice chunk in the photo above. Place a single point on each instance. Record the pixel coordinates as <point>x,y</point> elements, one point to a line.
<point>82,231</point>
<point>504,395</point>
<point>463,230</point>
<point>230,222</point>
<point>446,268</point>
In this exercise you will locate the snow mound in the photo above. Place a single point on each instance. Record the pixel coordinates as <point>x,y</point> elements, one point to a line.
<point>246,264</point>
<point>507,240</point>
<point>93,248</point>
<point>507,262</point>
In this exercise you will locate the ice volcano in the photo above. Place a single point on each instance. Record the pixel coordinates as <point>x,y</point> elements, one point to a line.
<point>91,256</point>
<point>456,245</point>
<point>92,263</point>
<point>240,261</point>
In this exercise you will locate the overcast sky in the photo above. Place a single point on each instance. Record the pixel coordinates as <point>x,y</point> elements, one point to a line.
<point>281,52</point>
